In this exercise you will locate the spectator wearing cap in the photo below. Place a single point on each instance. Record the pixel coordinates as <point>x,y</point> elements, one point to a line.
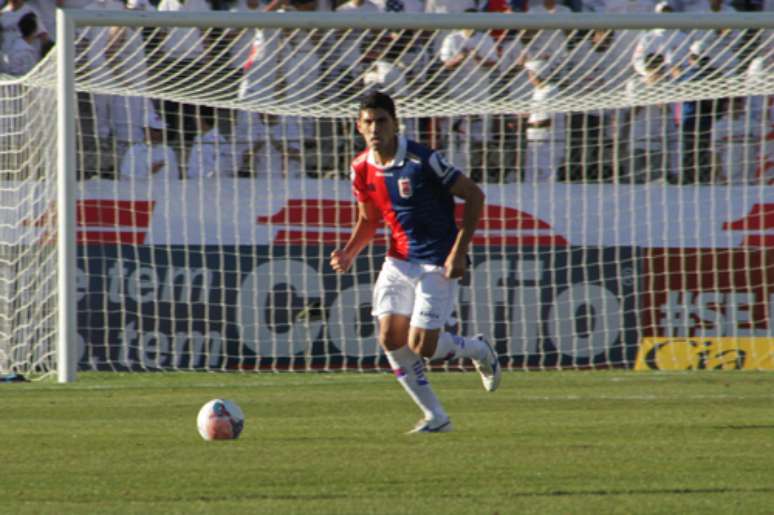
<point>22,56</point>
<point>721,46</point>
<point>695,120</point>
<point>152,156</point>
<point>715,50</point>
<point>672,45</point>
<point>647,130</point>
<point>545,128</point>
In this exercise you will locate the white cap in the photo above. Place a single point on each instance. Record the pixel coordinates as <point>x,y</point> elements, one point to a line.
<point>154,122</point>
<point>756,69</point>
<point>662,6</point>
<point>538,66</point>
<point>699,47</point>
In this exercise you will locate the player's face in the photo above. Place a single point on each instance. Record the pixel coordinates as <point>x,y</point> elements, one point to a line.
<point>378,128</point>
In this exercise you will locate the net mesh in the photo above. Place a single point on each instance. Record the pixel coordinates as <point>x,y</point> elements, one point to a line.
<point>214,163</point>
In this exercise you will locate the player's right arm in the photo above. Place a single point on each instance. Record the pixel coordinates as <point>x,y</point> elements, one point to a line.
<point>368,222</point>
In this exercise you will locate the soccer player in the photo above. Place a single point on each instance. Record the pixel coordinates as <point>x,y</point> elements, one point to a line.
<point>412,188</point>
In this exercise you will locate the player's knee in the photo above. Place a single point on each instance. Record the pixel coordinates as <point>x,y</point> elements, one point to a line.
<point>423,343</point>
<point>391,337</point>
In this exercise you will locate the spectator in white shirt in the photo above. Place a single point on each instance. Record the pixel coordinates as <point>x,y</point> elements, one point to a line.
<point>673,45</point>
<point>736,144</point>
<point>348,45</point>
<point>548,45</point>
<point>647,130</point>
<point>210,155</point>
<point>128,115</point>
<point>183,43</point>
<point>152,156</point>
<point>283,63</point>
<point>254,147</point>
<point>470,58</point>
<point>545,129</point>
<point>22,56</point>
<point>10,16</point>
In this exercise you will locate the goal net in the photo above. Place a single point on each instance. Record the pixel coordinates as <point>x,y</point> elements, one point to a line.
<point>627,163</point>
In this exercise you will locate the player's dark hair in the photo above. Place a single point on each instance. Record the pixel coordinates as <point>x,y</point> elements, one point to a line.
<point>28,25</point>
<point>378,100</point>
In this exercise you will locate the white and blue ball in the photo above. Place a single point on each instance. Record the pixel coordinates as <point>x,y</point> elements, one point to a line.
<point>220,419</point>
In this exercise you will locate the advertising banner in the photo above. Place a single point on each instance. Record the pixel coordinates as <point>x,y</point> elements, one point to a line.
<point>250,307</point>
<point>706,353</point>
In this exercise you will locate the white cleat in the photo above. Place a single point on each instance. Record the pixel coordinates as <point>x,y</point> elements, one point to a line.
<point>432,426</point>
<point>489,368</point>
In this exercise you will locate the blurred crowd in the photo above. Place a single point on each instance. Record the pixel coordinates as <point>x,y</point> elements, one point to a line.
<point>719,139</point>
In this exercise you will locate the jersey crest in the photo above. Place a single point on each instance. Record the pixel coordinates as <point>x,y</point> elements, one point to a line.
<point>404,188</point>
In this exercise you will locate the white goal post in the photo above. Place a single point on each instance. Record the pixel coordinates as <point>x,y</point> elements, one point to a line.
<point>627,173</point>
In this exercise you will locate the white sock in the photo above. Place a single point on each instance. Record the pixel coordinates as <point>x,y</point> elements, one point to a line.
<point>409,370</point>
<point>452,346</point>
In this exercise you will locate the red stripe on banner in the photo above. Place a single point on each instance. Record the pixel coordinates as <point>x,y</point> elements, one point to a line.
<point>343,213</point>
<point>110,238</point>
<point>102,213</point>
<point>758,240</point>
<point>114,213</point>
<point>314,213</point>
<point>502,217</point>
<point>761,216</point>
<point>321,237</point>
<point>336,238</point>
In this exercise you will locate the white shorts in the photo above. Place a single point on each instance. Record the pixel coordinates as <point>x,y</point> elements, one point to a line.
<point>420,292</point>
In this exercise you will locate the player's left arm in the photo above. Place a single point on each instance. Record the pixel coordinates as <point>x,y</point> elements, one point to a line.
<point>466,189</point>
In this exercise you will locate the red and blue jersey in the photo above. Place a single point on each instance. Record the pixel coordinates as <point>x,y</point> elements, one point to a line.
<point>412,193</point>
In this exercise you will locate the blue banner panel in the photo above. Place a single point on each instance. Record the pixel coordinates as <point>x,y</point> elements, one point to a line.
<point>213,307</point>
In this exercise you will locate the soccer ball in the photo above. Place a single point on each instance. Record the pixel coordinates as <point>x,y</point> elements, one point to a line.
<point>220,419</point>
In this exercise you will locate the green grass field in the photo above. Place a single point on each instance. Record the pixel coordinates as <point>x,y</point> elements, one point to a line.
<point>546,442</point>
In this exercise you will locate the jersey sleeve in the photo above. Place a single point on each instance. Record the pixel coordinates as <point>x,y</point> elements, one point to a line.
<point>442,170</point>
<point>359,187</point>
